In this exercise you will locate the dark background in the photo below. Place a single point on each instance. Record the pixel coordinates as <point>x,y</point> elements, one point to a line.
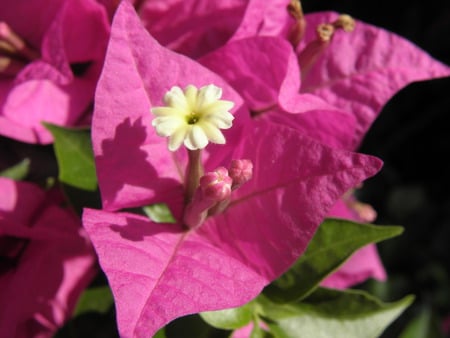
<point>412,136</point>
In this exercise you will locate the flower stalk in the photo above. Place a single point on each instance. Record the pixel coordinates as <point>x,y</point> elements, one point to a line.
<point>193,173</point>
<point>324,34</point>
<point>297,30</point>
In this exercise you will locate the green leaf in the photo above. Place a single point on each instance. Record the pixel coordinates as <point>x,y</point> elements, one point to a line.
<point>76,165</point>
<point>229,319</point>
<point>193,326</point>
<point>425,325</point>
<point>17,172</point>
<point>75,157</point>
<point>98,299</point>
<point>334,242</point>
<point>332,313</point>
<point>159,212</point>
<point>160,334</point>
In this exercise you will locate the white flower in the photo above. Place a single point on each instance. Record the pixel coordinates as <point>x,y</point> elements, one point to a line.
<point>193,117</point>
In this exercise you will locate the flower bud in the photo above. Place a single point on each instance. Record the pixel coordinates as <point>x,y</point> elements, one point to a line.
<point>240,172</point>
<point>214,188</point>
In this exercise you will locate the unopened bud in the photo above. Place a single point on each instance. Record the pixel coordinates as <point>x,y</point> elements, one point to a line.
<point>240,172</point>
<point>214,188</point>
<point>216,185</point>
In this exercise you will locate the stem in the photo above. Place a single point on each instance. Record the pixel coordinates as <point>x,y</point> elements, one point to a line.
<point>315,48</point>
<point>193,174</point>
<point>197,211</point>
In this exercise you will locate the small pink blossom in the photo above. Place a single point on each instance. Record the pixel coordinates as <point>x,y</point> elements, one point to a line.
<point>46,262</point>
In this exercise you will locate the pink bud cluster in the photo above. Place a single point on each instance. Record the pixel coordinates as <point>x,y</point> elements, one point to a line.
<point>214,191</point>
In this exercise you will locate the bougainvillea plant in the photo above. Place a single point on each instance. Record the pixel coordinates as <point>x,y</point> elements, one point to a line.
<point>231,237</point>
<point>210,186</point>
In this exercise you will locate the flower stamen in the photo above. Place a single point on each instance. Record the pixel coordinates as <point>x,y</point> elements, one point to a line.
<point>14,51</point>
<point>297,30</point>
<point>324,33</point>
<point>345,22</point>
<point>192,119</point>
<point>362,210</point>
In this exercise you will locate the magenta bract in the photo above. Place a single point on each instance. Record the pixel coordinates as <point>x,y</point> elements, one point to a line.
<point>358,71</point>
<point>55,82</point>
<point>159,272</point>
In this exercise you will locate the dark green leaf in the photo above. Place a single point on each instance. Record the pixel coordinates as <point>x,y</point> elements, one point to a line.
<point>76,166</point>
<point>332,313</point>
<point>80,198</point>
<point>90,324</point>
<point>75,157</point>
<point>229,319</point>
<point>335,241</point>
<point>17,172</point>
<point>193,326</point>
<point>159,212</point>
<point>99,299</point>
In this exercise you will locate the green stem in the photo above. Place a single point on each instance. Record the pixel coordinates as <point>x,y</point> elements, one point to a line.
<point>194,172</point>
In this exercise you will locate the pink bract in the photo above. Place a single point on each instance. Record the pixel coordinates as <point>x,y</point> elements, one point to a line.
<point>265,72</point>
<point>363,69</point>
<point>359,71</point>
<point>69,38</point>
<point>159,272</point>
<point>192,27</point>
<point>47,261</point>
<point>189,27</point>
